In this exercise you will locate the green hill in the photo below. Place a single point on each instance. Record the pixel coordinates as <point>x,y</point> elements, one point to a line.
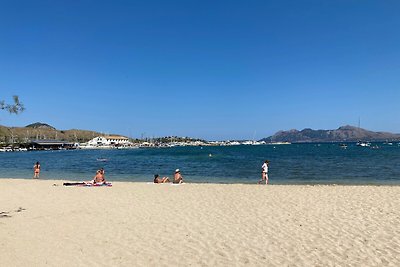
<point>39,130</point>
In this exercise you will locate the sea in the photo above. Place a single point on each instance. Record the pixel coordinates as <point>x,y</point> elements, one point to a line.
<point>325,163</point>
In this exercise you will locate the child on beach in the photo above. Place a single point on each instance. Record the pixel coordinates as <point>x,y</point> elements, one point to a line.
<point>264,172</point>
<point>36,170</point>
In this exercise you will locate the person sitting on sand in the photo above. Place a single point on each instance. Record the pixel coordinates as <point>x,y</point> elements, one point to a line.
<point>159,180</point>
<point>103,172</point>
<point>99,178</point>
<point>36,170</point>
<point>178,178</point>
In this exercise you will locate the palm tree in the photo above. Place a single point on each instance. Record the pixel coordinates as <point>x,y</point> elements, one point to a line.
<point>15,108</point>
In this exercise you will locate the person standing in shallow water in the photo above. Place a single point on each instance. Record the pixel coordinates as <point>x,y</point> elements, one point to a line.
<point>36,170</point>
<point>264,173</point>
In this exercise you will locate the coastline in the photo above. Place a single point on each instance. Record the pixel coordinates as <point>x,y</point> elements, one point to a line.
<point>139,223</point>
<point>272,182</point>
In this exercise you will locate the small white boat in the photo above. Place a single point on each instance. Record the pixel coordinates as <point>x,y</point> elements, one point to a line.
<point>363,144</point>
<point>279,143</point>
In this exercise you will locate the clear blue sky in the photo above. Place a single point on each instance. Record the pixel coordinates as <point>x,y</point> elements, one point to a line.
<point>208,69</point>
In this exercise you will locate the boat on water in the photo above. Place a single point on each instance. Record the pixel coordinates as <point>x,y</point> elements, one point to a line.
<point>6,149</point>
<point>253,143</point>
<point>95,147</point>
<point>344,146</point>
<point>363,144</point>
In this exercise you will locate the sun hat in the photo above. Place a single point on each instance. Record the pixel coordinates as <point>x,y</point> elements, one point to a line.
<point>177,170</point>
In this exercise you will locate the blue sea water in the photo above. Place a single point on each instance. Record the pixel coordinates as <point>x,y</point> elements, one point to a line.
<point>289,164</point>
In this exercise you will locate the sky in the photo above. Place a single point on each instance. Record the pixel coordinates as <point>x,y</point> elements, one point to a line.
<point>205,69</point>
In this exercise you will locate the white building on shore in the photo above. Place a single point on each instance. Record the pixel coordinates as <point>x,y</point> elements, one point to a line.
<point>111,141</point>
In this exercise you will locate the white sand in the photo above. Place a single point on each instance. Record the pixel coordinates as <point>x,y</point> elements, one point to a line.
<point>140,224</point>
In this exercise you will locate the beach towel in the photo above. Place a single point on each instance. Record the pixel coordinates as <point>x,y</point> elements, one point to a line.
<point>86,184</point>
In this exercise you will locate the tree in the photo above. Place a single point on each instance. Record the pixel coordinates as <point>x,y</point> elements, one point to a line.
<point>15,108</point>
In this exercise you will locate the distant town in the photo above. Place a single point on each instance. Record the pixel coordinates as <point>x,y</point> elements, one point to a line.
<point>116,142</point>
<point>41,136</point>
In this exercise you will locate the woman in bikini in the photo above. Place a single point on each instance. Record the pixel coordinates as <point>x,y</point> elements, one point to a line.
<point>159,180</point>
<point>36,170</point>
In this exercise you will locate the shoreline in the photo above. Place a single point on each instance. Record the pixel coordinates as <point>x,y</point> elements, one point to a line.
<point>360,183</point>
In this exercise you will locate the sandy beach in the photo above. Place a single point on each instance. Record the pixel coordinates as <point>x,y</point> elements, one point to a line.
<point>43,223</point>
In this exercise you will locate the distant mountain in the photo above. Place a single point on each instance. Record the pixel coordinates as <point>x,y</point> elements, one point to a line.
<point>39,125</point>
<point>342,134</point>
<point>44,131</point>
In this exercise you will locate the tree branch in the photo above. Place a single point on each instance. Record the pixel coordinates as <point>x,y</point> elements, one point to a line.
<point>15,108</point>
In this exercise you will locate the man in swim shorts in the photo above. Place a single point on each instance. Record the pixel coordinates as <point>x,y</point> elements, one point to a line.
<point>99,178</point>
